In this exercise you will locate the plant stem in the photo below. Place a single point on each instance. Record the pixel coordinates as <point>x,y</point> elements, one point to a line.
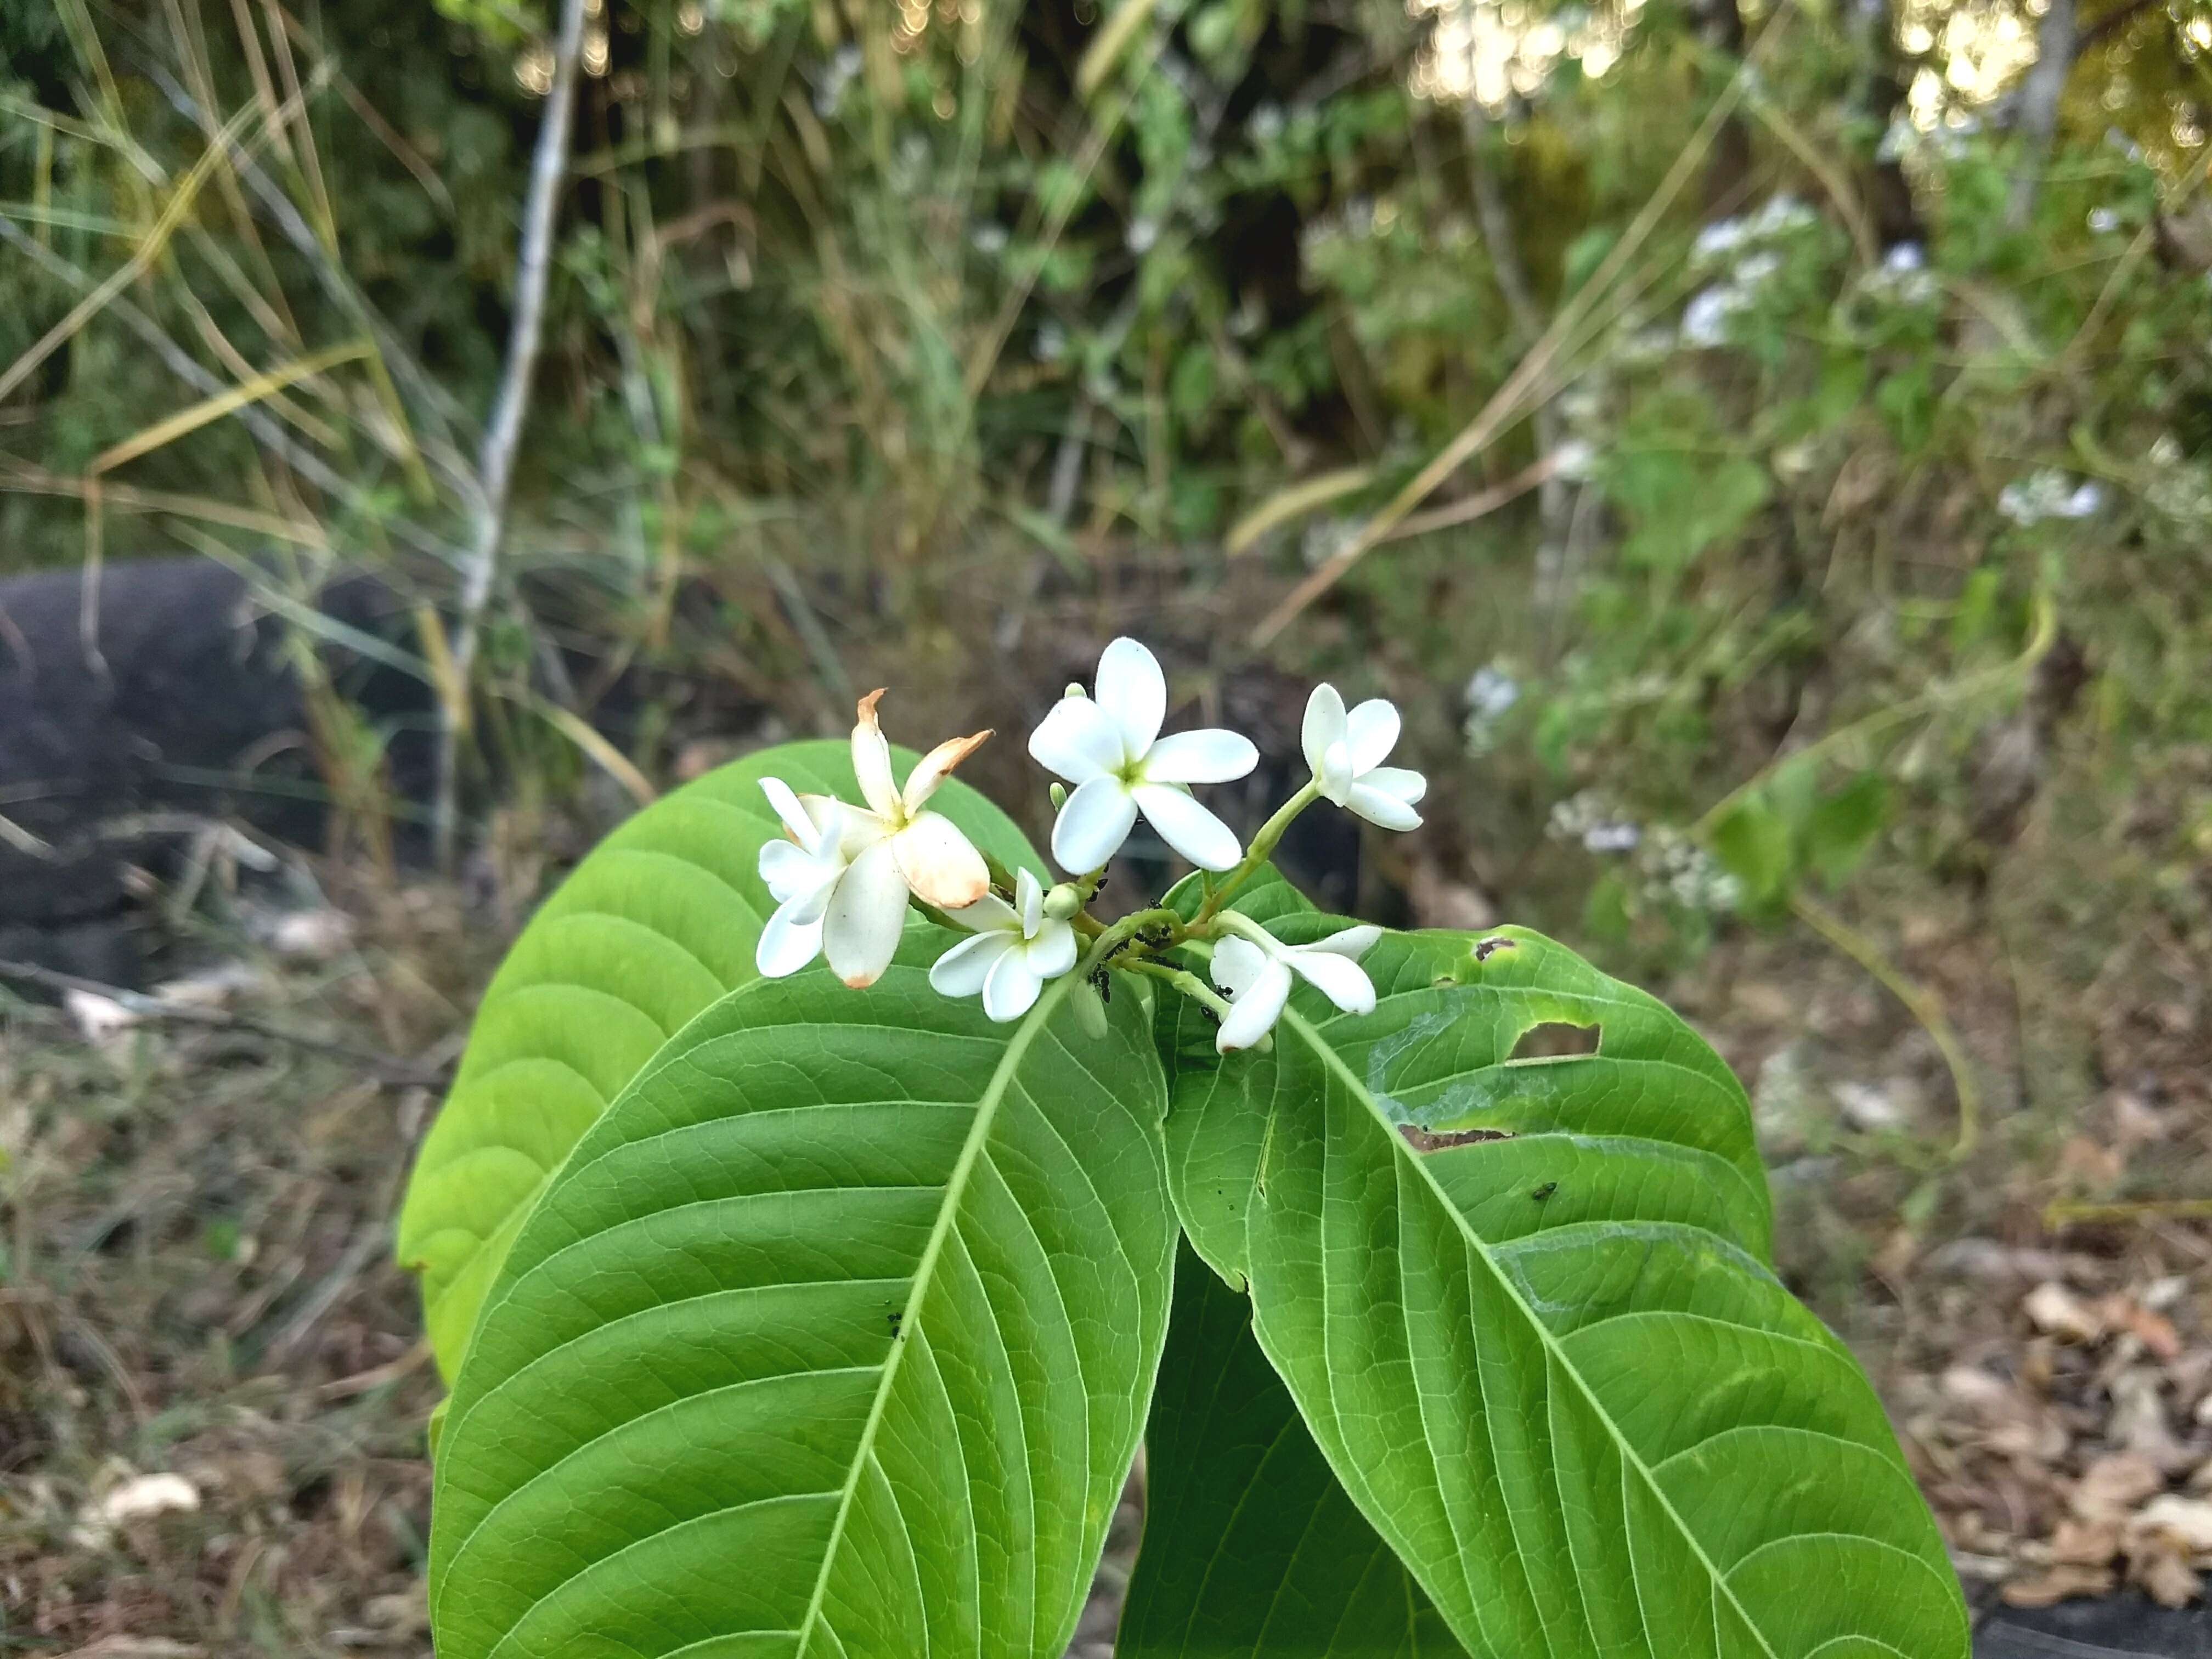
<point>1185,981</point>
<point>1257,854</point>
<point>503,434</point>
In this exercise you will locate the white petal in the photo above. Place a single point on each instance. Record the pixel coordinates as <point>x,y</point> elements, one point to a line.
<point>1093,824</point>
<point>1255,1010</point>
<point>940,864</point>
<point>1011,991</point>
<point>1236,962</point>
<point>1406,785</point>
<point>1342,981</point>
<point>1029,902</point>
<point>1378,808</point>
<point>1334,774</point>
<point>786,869</point>
<point>989,914</point>
<point>1133,690</point>
<point>1324,725</point>
<point>1352,942</point>
<point>786,945</point>
<point>800,884</point>
<point>1052,952</point>
<point>1078,741</point>
<point>961,971</point>
<point>858,829</point>
<point>1370,731</point>
<point>932,769</point>
<point>867,913</point>
<point>1188,828</point>
<point>796,823</point>
<point>871,761</point>
<point>1208,756</point>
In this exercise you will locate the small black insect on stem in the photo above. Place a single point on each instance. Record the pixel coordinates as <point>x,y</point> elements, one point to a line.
<point>1545,1191</point>
<point>895,1318</point>
<point>1102,982</point>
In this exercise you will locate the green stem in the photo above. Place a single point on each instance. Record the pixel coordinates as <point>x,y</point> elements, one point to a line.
<point>1185,981</point>
<point>1256,855</point>
<point>1120,933</point>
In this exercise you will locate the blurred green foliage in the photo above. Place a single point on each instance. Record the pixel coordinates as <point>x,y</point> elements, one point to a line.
<point>1891,451</point>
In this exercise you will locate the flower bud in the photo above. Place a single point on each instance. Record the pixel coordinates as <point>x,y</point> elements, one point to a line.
<point>1090,1012</point>
<point>1063,901</point>
<point>1075,689</point>
<point>1057,792</point>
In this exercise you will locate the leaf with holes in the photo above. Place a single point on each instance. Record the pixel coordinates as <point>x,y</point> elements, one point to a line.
<point>657,923</point>
<point>832,1338</point>
<point>1250,1546</point>
<point>1526,1309</point>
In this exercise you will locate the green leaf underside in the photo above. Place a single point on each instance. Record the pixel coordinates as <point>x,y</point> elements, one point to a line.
<point>657,923</point>
<point>1251,1547</point>
<point>1554,1370</point>
<point>832,1338</point>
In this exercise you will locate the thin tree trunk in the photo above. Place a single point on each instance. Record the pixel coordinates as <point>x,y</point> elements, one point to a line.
<point>1554,500</point>
<point>503,433</point>
<point>2056,42</point>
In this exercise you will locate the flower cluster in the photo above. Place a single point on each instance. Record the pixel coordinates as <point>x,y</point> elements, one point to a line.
<point>845,876</point>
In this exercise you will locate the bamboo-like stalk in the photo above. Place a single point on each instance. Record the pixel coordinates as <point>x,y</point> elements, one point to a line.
<point>503,433</point>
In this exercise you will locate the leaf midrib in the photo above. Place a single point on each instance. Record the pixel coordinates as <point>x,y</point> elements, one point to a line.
<point>1554,1349</point>
<point>910,1322</point>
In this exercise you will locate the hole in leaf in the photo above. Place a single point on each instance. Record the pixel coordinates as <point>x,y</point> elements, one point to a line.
<point>1553,1039</point>
<point>1435,1140</point>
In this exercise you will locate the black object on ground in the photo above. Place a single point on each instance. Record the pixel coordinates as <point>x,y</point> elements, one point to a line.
<point>190,707</point>
<point>2129,1626</point>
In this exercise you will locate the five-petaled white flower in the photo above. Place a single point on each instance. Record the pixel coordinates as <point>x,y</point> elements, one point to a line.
<point>856,890</point>
<point>1346,752</point>
<point>1111,751</point>
<point>1257,977</point>
<point>801,874</point>
<point>1015,950</point>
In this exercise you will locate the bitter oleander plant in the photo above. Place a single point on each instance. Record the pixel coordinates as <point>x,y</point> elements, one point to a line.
<point>819,1307</point>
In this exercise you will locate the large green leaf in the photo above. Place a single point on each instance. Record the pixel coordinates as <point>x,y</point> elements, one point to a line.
<point>1250,1545</point>
<point>657,922</point>
<point>1525,1306</point>
<point>832,1338</point>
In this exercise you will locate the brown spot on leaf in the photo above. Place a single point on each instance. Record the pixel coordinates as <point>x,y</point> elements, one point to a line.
<point>1435,1140</point>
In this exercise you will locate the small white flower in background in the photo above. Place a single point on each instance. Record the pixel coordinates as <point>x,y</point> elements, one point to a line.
<point>1905,256</point>
<point>1490,691</point>
<point>1015,950</point>
<point>2048,494</point>
<point>2103,220</point>
<point>1346,752</point>
<point>801,874</point>
<point>1573,459</point>
<point>1721,236</point>
<point>856,866</point>
<point>1111,751</point>
<point>1755,268</point>
<point>1257,979</point>
<point>1705,320</point>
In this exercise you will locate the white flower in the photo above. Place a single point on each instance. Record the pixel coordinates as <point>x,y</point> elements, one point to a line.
<point>852,888</point>
<point>1346,752</point>
<point>1705,320</point>
<point>1257,977</point>
<point>1015,950</point>
<point>1111,751</point>
<point>801,874</point>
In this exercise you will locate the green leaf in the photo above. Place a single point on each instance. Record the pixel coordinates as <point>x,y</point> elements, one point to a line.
<point>1525,1308</point>
<point>1845,825</point>
<point>1250,1545</point>
<point>831,1339</point>
<point>1752,844</point>
<point>656,924</point>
